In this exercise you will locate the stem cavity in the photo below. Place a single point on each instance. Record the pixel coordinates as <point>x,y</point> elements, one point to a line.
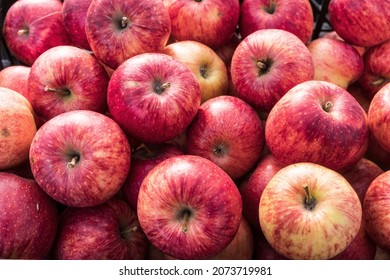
<point>310,201</point>
<point>59,91</point>
<point>72,163</point>
<point>160,88</point>
<point>328,105</point>
<point>263,66</point>
<point>23,31</point>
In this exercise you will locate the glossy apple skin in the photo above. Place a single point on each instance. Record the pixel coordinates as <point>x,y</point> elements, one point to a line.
<point>208,67</point>
<point>293,16</point>
<point>28,219</point>
<point>300,127</point>
<point>287,60</point>
<point>109,231</point>
<point>100,152</point>
<point>298,231</point>
<point>342,65</point>
<point>141,105</point>
<point>376,207</point>
<point>211,22</point>
<point>196,186</point>
<point>67,78</point>
<point>227,131</point>
<point>333,35</point>
<point>15,77</point>
<point>355,23</point>
<point>17,128</point>
<point>43,18</point>
<point>147,29</point>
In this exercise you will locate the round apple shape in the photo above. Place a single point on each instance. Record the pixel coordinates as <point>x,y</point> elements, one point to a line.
<point>15,77</point>
<point>153,97</point>
<point>67,78</point>
<point>32,27</point>
<point>266,64</point>
<point>80,158</point>
<point>308,211</point>
<point>117,30</point>
<point>363,23</point>
<point>227,131</point>
<point>318,122</point>
<point>293,16</point>
<point>28,219</point>
<point>109,231</point>
<point>189,208</point>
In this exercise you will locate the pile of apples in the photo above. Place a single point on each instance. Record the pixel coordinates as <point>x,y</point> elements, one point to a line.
<point>205,129</point>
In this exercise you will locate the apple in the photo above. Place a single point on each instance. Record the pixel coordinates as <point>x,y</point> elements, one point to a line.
<point>227,131</point>
<point>33,26</point>
<point>28,219</point>
<point>208,67</point>
<point>80,158</point>
<point>363,23</point>
<point>153,97</point>
<point>117,30</point>
<point>333,35</point>
<point>226,51</point>
<point>293,16</point>
<point>189,208</point>
<point>308,211</point>
<point>211,22</point>
<point>263,250</point>
<point>342,65</point>
<point>17,128</point>
<point>109,231</point>
<point>376,209</point>
<point>318,122</point>
<point>266,64</point>
<point>15,77</point>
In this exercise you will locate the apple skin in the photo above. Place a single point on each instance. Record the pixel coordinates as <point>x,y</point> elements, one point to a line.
<point>153,97</point>
<point>117,30</point>
<point>109,231</point>
<point>333,35</point>
<point>360,94</point>
<point>227,131</point>
<point>263,250</point>
<point>28,219</point>
<point>293,16</point>
<point>15,77</point>
<point>342,65</point>
<point>318,122</point>
<point>266,64</point>
<point>189,208</point>
<point>300,229</point>
<point>67,78</point>
<point>211,22</point>
<point>355,22</point>
<point>80,158</point>
<point>208,67</point>
<point>31,27</point>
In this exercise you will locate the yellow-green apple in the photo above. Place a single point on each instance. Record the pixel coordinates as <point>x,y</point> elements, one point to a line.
<point>266,64</point>
<point>80,158</point>
<point>208,67</point>
<point>28,219</point>
<point>33,26</point>
<point>308,211</point>
<point>15,77</point>
<point>18,128</point>
<point>363,23</point>
<point>109,231</point>
<point>153,97</point>
<point>189,208</point>
<point>318,122</point>
<point>211,22</point>
<point>117,30</point>
<point>293,16</point>
<point>229,132</point>
<point>66,78</point>
<point>335,61</point>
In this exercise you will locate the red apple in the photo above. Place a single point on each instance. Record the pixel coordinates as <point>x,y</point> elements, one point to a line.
<point>318,122</point>
<point>377,154</point>
<point>109,231</point>
<point>67,78</point>
<point>266,64</point>
<point>333,35</point>
<point>80,158</point>
<point>153,97</point>
<point>28,219</point>
<point>211,22</point>
<point>33,26</point>
<point>263,250</point>
<point>15,77</point>
<point>308,211</point>
<point>189,208</point>
<point>117,30</point>
<point>293,16</point>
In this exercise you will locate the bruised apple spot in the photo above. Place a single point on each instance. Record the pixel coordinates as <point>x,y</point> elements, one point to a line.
<point>5,132</point>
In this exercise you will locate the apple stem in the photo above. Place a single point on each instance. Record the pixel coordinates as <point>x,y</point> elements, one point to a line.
<point>262,66</point>
<point>185,222</point>
<point>327,106</point>
<point>73,161</point>
<point>124,22</point>
<point>310,201</point>
<point>23,31</point>
<point>160,88</point>
<point>61,91</point>
<point>378,82</point>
